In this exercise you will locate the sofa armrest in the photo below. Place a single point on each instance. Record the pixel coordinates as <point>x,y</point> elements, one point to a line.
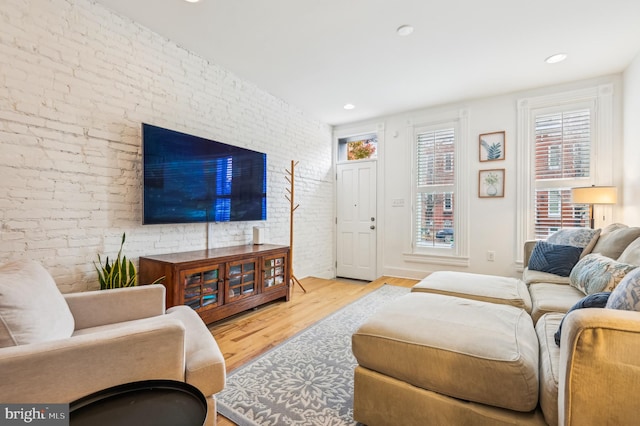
<point>62,371</point>
<point>205,366</point>
<point>599,377</point>
<point>102,307</point>
<point>528,249</point>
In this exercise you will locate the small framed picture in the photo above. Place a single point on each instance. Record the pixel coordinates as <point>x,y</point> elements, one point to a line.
<point>492,146</point>
<point>491,183</point>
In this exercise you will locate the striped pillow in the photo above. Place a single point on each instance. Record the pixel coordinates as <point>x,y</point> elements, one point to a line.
<point>554,258</point>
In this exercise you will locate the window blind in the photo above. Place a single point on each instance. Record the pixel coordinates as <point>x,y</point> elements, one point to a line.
<point>563,145</point>
<point>554,210</point>
<point>435,157</point>
<point>435,203</point>
<point>562,161</point>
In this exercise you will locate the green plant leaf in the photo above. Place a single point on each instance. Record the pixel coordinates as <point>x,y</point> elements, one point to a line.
<point>121,272</point>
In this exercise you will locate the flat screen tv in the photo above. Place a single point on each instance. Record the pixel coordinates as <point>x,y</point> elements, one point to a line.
<point>190,179</point>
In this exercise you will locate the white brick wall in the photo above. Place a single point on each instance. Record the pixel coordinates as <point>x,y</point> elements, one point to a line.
<point>76,82</point>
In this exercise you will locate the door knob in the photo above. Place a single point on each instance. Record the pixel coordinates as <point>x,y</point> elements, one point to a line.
<point>372,227</point>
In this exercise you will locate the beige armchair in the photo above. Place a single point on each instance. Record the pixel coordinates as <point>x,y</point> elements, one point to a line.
<point>56,348</point>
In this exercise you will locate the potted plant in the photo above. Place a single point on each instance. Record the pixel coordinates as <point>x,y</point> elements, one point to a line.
<point>120,273</point>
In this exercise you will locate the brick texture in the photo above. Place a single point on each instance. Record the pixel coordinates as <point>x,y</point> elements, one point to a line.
<point>76,82</point>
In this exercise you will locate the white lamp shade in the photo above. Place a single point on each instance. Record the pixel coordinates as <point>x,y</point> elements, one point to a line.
<point>595,195</point>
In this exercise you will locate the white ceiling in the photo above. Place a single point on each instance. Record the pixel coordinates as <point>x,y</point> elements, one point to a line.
<point>322,54</point>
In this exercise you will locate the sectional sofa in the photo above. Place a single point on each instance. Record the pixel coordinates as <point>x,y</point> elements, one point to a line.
<point>480,350</point>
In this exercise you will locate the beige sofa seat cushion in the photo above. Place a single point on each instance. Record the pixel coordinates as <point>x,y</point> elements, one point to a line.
<point>547,298</point>
<point>32,309</point>
<point>546,327</point>
<point>533,277</point>
<point>487,288</point>
<point>467,349</point>
<point>612,244</point>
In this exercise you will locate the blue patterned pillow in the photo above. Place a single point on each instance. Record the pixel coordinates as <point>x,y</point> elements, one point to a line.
<point>596,300</point>
<point>626,295</point>
<point>595,273</point>
<point>554,258</point>
<point>577,237</point>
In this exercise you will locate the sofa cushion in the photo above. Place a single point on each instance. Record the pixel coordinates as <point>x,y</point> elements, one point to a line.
<point>595,273</point>
<point>547,297</point>
<point>577,237</point>
<point>487,288</point>
<point>595,300</point>
<point>613,243</point>
<point>533,277</point>
<point>626,295</point>
<point>467,349</point>
<point>631,254</point>
<point>549,365</point>
<point>554,258</point>
<point>32,309</point>
<point>612,227</point>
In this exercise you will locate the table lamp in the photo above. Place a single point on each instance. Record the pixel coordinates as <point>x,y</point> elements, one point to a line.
<point>594,195</point>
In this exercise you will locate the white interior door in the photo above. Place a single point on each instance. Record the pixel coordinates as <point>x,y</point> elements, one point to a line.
<point>356,218</point>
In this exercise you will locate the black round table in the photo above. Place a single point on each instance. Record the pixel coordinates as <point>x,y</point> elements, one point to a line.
<point>146,403</point>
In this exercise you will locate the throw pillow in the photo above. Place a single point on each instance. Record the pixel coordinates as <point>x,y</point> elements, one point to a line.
<point>554,258</point>
<point>626,295</point>
<point>613,243</point>
<point>577,237</point>
<point>596,300</point>
<point>32,309</point>
<point>631,254</point>
<point>595,273</point>
<point>612,227</point>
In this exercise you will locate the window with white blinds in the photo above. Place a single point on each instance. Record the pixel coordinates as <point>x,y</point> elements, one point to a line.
<point>435,201</point>
<point>562,161</point>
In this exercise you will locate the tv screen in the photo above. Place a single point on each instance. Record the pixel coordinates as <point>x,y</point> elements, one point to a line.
<point>190,179</point>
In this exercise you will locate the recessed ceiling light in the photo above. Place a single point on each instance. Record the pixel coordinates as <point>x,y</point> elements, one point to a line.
<point>349,106</point>
<point>404,30</point>
<point>192,1</point>
<point>554,59</point>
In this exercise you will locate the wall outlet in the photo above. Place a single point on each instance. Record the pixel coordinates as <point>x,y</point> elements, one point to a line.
<point>491,255</point>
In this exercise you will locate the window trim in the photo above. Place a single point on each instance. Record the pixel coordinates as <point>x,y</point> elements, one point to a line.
<point>601,100</point>
<point>459,254</point>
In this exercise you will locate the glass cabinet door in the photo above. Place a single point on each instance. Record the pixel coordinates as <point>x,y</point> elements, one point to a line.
<point>241,280</point>
<point>202,286</point>
<point>274,272</point>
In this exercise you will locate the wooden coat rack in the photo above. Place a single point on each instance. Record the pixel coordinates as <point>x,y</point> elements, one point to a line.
<point>292,208</point>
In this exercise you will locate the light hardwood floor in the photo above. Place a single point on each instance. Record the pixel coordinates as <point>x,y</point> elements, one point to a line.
<point>245,336</point>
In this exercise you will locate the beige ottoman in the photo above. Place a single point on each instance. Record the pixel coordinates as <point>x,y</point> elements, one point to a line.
<point>464,349</point>
<point>487,288</point>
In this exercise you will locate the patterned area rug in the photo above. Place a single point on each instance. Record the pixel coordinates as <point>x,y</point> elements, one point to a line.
<point>308,379</point>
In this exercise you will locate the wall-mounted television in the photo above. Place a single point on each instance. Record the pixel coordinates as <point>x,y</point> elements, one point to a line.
<point>189,179</point>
